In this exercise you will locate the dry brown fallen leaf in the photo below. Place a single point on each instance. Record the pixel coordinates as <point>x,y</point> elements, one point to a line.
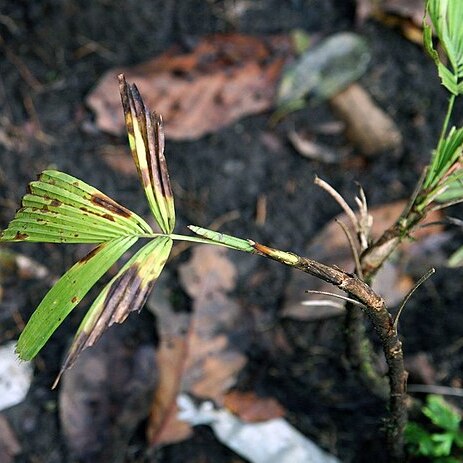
<point>249,407</point>
<point>201,361</point>
<point>213,362</point>
<point>330,246</point>
<point>407,15</point>
<point>199,91</point>
<point>411,9</point>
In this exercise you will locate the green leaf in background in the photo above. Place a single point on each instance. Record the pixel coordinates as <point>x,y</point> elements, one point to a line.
<point>67,293</point>
<point>125,293</point>
<point>447,19</point>
<point>63,209</point>
<point>146,139</point>
<point>419,439</point>
<point>441,413</point>
<point>324,69</point>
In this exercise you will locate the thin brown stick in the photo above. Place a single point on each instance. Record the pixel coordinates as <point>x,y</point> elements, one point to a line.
<point>339,199</point>
<point>410,294</point>
<point>355,255</point>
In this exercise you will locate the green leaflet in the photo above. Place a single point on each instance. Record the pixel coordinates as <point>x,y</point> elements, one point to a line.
<point>125,293</point>
<point>288,258</point>
<point>447,18</point>
<point>225,240</point>
<point>67,293</point>
<point>446,157</point>
<point>448,153</point>
<point>146,139</point>
<point>63,209</point>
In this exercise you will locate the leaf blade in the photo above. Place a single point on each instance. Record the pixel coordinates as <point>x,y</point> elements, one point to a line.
<point>125,293</point>
<point>67,293</point>
<point>146,140</point>
<point>63,209</point>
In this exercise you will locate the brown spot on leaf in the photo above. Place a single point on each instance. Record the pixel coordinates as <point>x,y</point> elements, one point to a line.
<point>145,176</point>
<point>110,205</point>
<point>91,254</point>
<point>74,299</point>
<point>55,203</point>
<point>21,236</point>
<point>108,217</point>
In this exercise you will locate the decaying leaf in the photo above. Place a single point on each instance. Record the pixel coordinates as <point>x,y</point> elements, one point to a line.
<point>173,327</point>
<point>125,293</point>
<point>199,91</point>
<point>146,139</point>
<point>213,362</point>
<point>67,293</point>
<point>406,9</point>
<point>63,209</point>
<point>164,426</point>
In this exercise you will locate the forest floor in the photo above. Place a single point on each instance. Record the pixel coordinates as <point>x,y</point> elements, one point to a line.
<point>53,54</point>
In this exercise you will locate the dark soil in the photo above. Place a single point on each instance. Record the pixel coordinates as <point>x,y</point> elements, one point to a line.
<point>52,54</point>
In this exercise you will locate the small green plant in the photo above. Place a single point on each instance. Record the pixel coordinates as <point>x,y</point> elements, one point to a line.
<point>60,208</point>
<point>441,440</point>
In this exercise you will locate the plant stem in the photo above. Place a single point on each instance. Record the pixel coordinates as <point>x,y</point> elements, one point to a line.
<point>375,308</point>
<point>447,118</point>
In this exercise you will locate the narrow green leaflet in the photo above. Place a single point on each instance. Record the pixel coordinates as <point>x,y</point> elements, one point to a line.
<point>447,18</point>
<point>67,293</point>
<point>448,153</point>
<point>146,139</point>
<point>125,293</point>
<point>224,240</point>
<point>63,209</point>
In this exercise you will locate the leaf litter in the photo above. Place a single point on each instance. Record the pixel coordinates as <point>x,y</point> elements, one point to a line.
<point>202,89</point>
<point>200,354</point>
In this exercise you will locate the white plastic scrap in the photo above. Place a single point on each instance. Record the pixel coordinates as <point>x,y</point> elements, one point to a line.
<point>272,441</point>
<point>15,376</point>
